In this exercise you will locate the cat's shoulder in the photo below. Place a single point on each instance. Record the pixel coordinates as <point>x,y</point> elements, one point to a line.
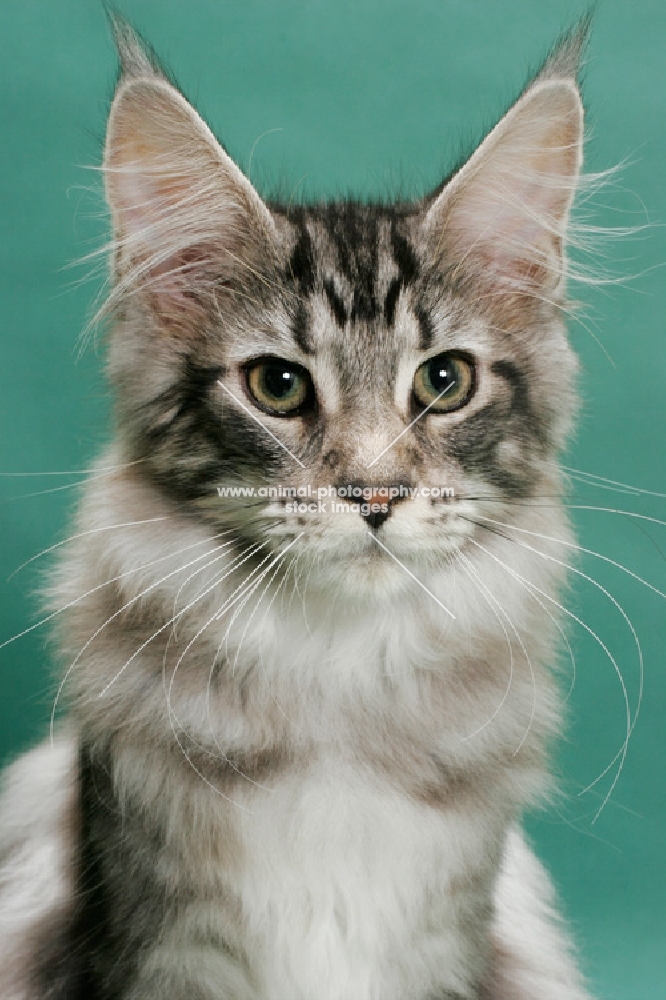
<point>35,788</point>
<point>38,823</point>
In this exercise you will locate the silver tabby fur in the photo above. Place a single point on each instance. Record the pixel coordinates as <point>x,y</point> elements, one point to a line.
<point>288,771</point>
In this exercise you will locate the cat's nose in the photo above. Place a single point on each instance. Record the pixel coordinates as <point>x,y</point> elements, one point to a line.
<point>375,520</point>
<point>383,502</point>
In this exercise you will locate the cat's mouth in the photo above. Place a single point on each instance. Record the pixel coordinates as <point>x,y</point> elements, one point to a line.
<point>356,542</point>
<point>370,567</point>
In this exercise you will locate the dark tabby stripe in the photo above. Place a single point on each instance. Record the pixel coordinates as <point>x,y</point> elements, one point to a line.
<point>405,259</point>
<point>354,231</point>
<point>391,301</point>
<point>404,256</point>
<point>335,302</point>
<point>426,329</point>
<point>211,447</point>
<point>300,328</point>
<point>533,418</point>
<point>301,268</point>
<point>519,385</point>
<point>118,904</point>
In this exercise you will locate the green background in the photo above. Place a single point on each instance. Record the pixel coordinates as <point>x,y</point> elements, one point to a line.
<point>372,97</point>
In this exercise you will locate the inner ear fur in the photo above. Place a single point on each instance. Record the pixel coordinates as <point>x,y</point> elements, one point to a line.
<point>504,215</point>
<point>187,222</point>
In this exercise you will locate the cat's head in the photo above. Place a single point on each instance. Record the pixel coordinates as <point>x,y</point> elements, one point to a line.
<point>338,345</point>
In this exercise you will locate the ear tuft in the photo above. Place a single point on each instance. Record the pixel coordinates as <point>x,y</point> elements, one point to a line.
<point>503,217</point>
<point>566,57</point>
<point>188,225</point>
<point>137,60</point>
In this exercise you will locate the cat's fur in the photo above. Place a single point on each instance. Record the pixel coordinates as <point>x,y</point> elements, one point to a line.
<point>299,776</point>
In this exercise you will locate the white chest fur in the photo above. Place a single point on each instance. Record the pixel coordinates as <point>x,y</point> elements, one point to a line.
<point>352,892</point>
<point>352,884</point>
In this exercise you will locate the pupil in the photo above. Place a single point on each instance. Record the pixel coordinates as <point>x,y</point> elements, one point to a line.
<point>441,375</point>
<point>278,382</point>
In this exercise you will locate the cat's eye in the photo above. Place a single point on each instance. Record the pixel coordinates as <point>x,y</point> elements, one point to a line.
<point>279,387</point>
<point>444,383</point>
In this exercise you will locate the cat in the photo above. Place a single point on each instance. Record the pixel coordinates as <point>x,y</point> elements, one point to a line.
<point>300,739</point>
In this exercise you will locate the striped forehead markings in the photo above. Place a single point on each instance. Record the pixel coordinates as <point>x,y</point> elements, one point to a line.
<point>338,307</point>
<point>354,233</point>
<point>301,267</point>
<point>407,264</point>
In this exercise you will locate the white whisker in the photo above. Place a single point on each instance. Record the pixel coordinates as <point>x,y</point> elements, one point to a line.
<point>493,605</point>
<point>410,574</point>
<point>409,426</point>
<point>252,781</point>
<point>275,701</point>
<point>260,422</point>
<point>155,634</point>
<point>174,720</point>
<point>100,586</point>
<point>612,562</point>
<point>101,470</point>
<point>233,598</point>
<point>103,626</point>
<point>622,753</point>
<point>604,483</point>
<point>528,660</point>
<point>70,486</point>
<point>82,534</point>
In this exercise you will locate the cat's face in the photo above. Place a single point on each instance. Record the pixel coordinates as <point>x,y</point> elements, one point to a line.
<point>415,347</point>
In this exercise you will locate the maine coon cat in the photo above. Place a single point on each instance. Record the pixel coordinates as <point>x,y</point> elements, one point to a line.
<point>299,743</point>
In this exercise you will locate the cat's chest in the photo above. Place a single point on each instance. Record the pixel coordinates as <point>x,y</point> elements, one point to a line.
<point>348,886</point>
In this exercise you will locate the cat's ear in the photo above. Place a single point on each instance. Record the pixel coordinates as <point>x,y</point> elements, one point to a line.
<point>503,217</point>
<point>187,222</point>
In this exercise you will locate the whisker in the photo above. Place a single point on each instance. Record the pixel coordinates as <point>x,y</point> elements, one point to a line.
<point>274,699</point>
<point>296,589</point>
<point>82,534</point>
<point>409,573</point>
<point>609,483</point>
<point>107,583</point>
<point>586,832</point>
<point>623,750</point>
<point>563,635</point>
<point>490,601</point>
<point>581,481</point>
<point>252,781</point>
<point>231,600</point>
<point>506,501</point>
<point>68,486</point>
<point>238,560</point>
<point>578,548</point>
<point>617,565</point>
<point>196,572</point>
<point>174,719</point>
<point>229,603</point>
<point>242,558</point>
<point>103,470</point>
<point>247,624</point>
<point>69,670</point>
<point>525,653</point>
<point>190,762</point>
<point>613,510</point>
<point>115,615</point>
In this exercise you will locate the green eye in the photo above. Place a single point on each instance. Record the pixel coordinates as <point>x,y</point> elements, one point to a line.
<point>444,383</point>
<point>279,387</point>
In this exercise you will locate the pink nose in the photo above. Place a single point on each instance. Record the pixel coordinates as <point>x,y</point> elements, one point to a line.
<point>383,508</point>
<point>376,497</point>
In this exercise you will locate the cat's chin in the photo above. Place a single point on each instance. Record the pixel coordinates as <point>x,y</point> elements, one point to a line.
<point>366,579</point>
<point>372,569</point>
